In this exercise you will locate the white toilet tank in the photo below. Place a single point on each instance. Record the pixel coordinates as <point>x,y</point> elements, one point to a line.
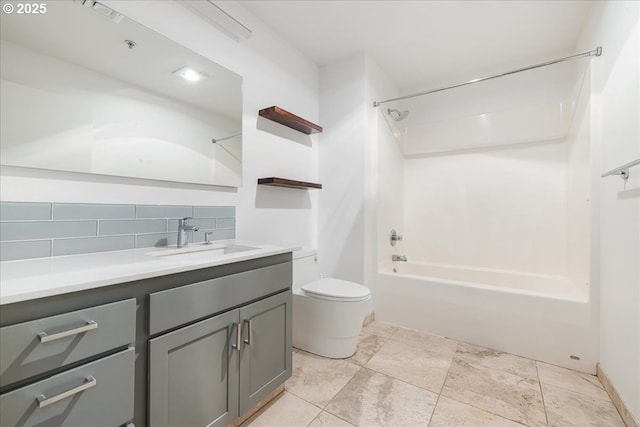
<point>305,267</point>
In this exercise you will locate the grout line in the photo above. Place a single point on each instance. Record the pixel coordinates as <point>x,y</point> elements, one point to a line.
<point>399,379</point>
<point>564,388</point>
<point>337,416</point>
<point>339,391</point>
<point>544,406</point>
<point>596,386</point>
<point>449,368</point>
<point>341,388</point>
<point>443,383</point>
<point>488,412</point>
<point>484,368</point>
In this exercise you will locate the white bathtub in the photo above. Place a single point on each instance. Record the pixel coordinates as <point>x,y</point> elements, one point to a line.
<point>545,318</point>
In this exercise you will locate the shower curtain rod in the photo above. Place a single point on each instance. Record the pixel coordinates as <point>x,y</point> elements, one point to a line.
<point>595,52</point>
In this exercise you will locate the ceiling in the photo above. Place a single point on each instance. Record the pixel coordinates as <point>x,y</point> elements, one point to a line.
<point>421,44</point>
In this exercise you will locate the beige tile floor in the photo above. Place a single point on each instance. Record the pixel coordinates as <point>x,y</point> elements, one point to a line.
<point>404,378</point>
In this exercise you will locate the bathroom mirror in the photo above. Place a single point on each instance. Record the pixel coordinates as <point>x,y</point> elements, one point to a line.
<point>85,89</point>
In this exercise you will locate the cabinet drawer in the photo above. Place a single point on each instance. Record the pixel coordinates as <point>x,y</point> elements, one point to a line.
<point>35,347</point>
<point>107,398</point>
<point>175,307</point>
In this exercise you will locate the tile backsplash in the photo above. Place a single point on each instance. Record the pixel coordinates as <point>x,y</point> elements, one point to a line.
<point>34,230</point>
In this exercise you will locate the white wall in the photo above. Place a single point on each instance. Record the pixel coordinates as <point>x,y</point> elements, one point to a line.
<point>273,74</point>
<point>341,229</point>
<point>349,163</point>
<point>615,132</point>
<point>579,224</point>
<point>504,207</point>
<point>389,197</point>
<point>383,163</point>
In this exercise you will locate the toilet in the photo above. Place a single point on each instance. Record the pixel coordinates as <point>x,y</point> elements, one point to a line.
<point>327,313</point>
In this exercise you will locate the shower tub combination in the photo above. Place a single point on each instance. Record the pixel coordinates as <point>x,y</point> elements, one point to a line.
<point>495,175</point>
<point>545,318</point>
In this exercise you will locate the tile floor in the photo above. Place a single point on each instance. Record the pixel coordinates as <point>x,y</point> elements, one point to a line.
<point>403,378</point>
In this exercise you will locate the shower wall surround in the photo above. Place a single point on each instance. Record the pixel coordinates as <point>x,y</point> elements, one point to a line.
<point>34,230</point>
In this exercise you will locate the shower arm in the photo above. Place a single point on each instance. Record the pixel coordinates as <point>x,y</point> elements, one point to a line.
<point>595,52</point>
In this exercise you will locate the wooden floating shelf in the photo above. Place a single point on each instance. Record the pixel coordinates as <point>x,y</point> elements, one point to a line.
<point>290,120</point>
<point>288,183</point>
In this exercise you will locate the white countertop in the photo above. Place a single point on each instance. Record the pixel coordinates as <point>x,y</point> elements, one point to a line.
<point>44,277</point>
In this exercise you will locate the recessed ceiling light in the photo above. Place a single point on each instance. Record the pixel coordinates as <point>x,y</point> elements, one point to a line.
<point>189,74</point>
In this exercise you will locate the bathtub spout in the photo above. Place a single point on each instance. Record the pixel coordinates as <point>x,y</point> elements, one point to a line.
<point>402,258</point>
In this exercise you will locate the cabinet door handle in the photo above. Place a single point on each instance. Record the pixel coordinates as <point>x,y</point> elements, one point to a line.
<point>238,336</point>
<point>46,401</point>
<point>249,339</point>
<point>44,337</point>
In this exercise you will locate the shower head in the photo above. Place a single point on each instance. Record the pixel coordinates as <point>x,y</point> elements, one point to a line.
<point>397,115</point>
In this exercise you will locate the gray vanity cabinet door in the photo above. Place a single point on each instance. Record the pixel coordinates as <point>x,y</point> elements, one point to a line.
<point>193,374</point>
<point>265,358</point>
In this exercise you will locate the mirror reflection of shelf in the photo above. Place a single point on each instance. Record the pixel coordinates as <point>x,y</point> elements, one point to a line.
<point>288,183</point>
<point>290,120</point>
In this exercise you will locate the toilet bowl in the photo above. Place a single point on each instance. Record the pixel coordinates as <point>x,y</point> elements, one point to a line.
<point>327,313</point>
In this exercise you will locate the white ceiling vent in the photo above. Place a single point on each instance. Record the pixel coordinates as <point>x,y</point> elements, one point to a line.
<point>220,19</point>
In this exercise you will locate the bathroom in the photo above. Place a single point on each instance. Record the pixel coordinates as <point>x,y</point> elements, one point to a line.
<point>513,240</point>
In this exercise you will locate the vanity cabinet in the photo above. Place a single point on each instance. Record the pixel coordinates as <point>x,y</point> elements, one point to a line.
<point>97,394</point>
<point>265,352</point>
<point>193,374</point>
<point>72,369</point>
<point>195,348</point>
<point>41,345</point>
<point>210,372</point>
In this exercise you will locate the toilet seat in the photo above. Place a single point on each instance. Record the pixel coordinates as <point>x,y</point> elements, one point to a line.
<point>336,290</point>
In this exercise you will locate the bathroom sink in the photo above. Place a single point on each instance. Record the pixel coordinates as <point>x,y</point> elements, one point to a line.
<point>200,251</point>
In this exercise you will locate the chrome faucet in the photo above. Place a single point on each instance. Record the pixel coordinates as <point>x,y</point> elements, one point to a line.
<point>402,258</point>
<point>183,227</point>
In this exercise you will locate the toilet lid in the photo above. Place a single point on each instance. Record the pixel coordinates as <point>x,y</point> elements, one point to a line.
<point>338,289</point>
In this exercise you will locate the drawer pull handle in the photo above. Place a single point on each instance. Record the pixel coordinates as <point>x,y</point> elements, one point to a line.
<point>44,337</point>
<point>238,336</point>
<point>249,339</point>
<point>46,401</point>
